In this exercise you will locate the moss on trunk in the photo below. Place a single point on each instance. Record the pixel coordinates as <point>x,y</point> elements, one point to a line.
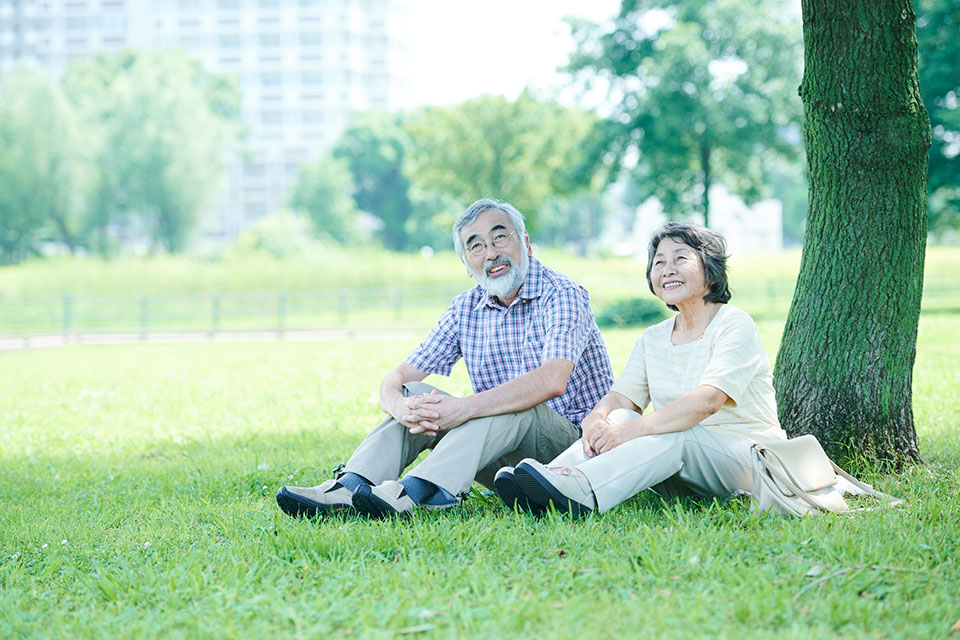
<point>845,366</point>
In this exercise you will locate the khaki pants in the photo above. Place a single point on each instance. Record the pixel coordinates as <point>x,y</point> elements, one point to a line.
<point>700,461</point>
<point>474,450</point>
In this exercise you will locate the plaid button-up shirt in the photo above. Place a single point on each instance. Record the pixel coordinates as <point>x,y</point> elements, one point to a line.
<point>550,318</point>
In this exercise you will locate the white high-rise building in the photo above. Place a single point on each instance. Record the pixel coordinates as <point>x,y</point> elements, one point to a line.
<point>303,65</point>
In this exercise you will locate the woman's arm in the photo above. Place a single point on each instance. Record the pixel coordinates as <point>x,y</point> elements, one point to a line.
<point>680,415</point>
<point>596,420</point>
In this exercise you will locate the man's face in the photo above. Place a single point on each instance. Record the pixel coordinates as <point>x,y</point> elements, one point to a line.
<point>499,270</point>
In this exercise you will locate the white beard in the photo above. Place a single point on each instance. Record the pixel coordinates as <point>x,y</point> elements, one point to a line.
<point>502,286</point>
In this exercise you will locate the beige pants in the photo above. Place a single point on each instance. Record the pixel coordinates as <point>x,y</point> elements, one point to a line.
<point>474,450</point>
<point>700,461</point>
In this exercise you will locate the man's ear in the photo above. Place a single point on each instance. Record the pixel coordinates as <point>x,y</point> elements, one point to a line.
<point>526,239</point>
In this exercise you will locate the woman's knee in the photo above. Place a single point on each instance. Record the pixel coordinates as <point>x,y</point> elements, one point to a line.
<point>619,416</point>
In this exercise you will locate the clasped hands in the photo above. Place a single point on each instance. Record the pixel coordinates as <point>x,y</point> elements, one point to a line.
<point>432,412</point>
<point>600,436</point>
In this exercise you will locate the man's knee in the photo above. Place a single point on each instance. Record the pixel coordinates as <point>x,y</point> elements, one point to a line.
<point>420,388</point>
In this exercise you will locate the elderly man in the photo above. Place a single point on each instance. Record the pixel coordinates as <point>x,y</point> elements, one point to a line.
<point>536,361</point>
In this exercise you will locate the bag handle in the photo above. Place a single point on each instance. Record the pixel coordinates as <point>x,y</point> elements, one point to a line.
<point>792,484</point>
<point>788,479</point>
<point>866,488</point>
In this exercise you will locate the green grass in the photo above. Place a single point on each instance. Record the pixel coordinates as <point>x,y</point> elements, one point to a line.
<point>136,499</point>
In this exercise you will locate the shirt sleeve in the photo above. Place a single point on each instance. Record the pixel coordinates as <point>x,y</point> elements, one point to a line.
<point>632,383</point>
<point>736,357</point>
<point>568,324</point>
<point>440,350</point>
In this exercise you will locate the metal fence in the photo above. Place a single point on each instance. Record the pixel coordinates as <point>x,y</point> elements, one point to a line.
<point>330,309</point>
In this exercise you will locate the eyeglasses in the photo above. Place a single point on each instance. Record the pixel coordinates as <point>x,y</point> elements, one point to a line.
<point>500,240</point>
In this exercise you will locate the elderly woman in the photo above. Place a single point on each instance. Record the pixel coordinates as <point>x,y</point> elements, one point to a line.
<point>705,373</point>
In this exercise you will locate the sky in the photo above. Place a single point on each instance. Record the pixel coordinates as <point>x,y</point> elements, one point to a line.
<point>463,48</point>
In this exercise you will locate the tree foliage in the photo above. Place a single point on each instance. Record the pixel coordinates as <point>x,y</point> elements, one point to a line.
<point>938,37</point>
<point>524,151</point>
<point>44,176</point>
<point>165,125</point>
<point>323,190</point>
<point>374,148</point>
<point>701,91</point>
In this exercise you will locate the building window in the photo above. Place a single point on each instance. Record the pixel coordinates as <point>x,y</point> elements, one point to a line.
<point>269,39</point>
<point>311,117</point>
<point>271,79</point>
<point>312,39</point>
<point>271,118</point>
<point>254,169</point>
<point>312,78</point>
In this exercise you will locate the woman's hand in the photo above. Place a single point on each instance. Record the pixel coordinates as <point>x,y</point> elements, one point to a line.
<point>614,435</point>
<point>593,424</point>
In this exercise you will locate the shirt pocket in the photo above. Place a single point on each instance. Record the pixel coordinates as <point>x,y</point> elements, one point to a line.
<point>531,350</point>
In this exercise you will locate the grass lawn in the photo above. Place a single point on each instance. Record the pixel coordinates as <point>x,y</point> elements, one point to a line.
<point>136,499</point>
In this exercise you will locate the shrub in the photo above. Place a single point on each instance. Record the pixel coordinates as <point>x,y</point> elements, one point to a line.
<point>631,313</point>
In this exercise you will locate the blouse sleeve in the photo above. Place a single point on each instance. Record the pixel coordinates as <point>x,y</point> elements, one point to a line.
<point>736,357</point>
<point>632,383</point>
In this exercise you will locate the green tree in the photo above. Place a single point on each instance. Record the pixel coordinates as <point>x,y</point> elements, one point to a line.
<point>938,37</point>
<point>166,125</point>
<point>524,151</point>
<point>323,191</point>
<point>573,222</point>
<point>375,149</point>
<point>845,365</point>
<point>702,90</point>
<point>43,174</point>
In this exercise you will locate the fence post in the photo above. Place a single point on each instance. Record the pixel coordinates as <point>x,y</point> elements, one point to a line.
<point>67,312</point>
<point>215,315</point>
<point>144,318</point>
<point>281,312</point>
<point>342,300</point>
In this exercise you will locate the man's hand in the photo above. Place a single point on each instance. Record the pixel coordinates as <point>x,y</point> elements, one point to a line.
<point>438,413</point>
<point>410,411</point>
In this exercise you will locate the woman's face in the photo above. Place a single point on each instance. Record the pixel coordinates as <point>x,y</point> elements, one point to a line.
<point>677,273</point>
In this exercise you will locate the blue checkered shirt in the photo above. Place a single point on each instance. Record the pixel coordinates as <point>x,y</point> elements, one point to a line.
<point>550,318</point>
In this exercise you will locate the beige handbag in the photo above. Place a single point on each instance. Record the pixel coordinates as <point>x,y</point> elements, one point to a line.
<point>795,477</point>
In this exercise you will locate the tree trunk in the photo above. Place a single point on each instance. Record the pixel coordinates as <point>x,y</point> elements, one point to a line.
<point>845,366</point>
<point>705,165</point>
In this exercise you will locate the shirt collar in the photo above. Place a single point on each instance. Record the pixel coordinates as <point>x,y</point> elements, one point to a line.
<point>531,288</point>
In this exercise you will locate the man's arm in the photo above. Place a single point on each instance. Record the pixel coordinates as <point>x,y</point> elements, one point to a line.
<point>547,381</point>
<point>392,399</point>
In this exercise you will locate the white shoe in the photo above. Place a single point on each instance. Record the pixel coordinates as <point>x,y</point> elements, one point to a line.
<point>565,487</point>
<point>323,499</point>
<point>390,499</point>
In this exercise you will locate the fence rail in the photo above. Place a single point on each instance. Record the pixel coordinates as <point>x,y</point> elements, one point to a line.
<point>337,309</point>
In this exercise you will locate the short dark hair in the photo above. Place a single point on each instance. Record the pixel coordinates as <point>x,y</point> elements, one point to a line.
<point>709,245</point>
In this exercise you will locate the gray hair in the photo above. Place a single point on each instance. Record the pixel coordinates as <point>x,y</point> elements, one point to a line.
<point>474,210</point>
<point>709,245</point>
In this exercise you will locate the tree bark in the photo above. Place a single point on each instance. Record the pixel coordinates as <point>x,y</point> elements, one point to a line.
<point>705,165</point>
<point>845,366</point>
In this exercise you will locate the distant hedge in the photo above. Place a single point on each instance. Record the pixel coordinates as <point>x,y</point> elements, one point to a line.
<point>631,313</point>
